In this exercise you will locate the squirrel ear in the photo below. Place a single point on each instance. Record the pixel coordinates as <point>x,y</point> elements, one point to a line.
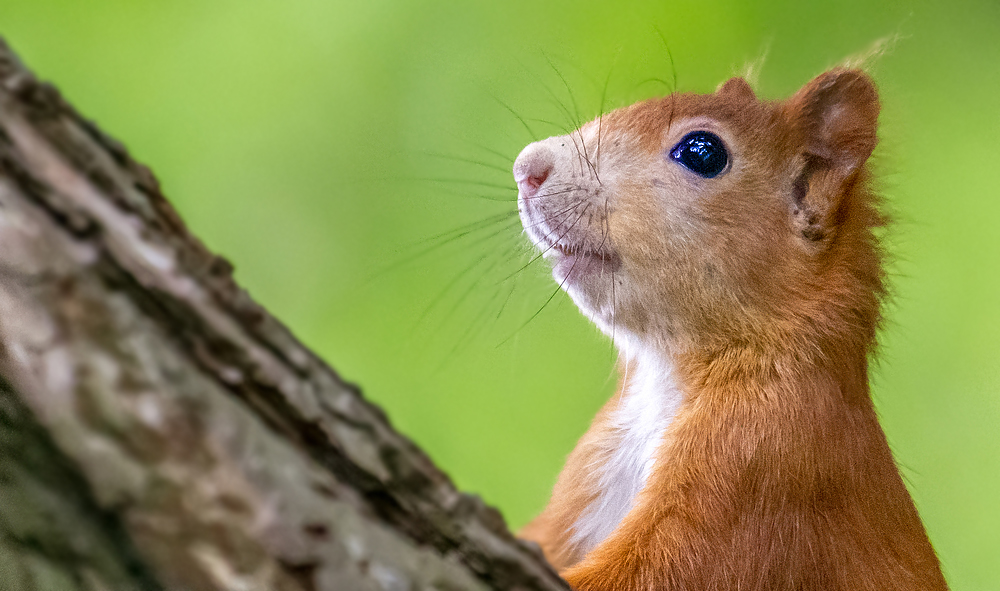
<point>834,118</point>
<point>836,115</point>
<point>737,88</point>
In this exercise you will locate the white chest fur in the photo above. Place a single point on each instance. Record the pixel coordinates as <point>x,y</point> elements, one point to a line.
<point>650,401</point>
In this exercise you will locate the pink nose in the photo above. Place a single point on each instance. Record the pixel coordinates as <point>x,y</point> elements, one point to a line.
<point>532,168</point>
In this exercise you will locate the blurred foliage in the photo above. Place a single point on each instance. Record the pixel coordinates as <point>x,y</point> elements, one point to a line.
<point>322,146</point>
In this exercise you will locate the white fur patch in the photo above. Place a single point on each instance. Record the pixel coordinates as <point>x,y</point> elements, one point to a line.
<point>651,401</point>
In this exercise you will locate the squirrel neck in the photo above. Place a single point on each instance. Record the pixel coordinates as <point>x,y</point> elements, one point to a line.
<point>789,443</point>
<point>799,417</point>
<point>790,374</point>
<point>771,465</point>
<point>768,462</point>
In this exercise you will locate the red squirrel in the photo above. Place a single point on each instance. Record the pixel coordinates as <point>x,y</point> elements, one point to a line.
<point>728,246</point>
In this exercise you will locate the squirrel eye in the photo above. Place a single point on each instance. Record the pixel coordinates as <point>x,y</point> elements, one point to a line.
<point>701,152</point>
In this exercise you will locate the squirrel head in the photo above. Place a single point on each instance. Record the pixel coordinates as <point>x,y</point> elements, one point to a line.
<point>705,219</point>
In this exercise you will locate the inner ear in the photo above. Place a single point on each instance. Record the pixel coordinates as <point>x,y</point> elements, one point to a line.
<point>812,214</point>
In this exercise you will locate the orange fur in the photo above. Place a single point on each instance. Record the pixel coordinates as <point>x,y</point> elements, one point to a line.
<point>762,289</point>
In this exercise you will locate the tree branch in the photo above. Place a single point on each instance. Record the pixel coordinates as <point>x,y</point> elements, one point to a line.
<point>160,430</point>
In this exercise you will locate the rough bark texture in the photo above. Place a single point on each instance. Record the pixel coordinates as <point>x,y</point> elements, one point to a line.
<point>161,431</point>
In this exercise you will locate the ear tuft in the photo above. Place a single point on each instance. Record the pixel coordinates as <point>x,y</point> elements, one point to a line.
<point>738,89</point>
<point>837,115</point>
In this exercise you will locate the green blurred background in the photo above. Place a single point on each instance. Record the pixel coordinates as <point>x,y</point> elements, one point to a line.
<point>321,146</point>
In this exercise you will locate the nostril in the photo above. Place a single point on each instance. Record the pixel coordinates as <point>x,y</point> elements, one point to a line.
<point>531,179</point>
<point>532,168</point>
<point>535,181</point>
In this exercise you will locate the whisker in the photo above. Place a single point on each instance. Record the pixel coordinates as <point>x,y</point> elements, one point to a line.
<point>578,121</point>
<point>450,237</point>
<point>547,122</point>
<point>473,327</point>
<point>673,70</point>
<point>547,302</point>
<point>497,167</point>
<point>660,81</point>
<point>555,99</point>
<point>470,227</point>
<point>505,157</point>
<point>670,56</point>
<point>552,193</point>
<point>506,300</point>
<point>472,182</point>
<point>495,256</point>
<point>510,191</point>
<point>579,155</point>
<point>561,283</point>
<point>614,301</point>
<point>534,136</point>
<point>541,254</point>
<point>600,117</point>
<point>566,212</point>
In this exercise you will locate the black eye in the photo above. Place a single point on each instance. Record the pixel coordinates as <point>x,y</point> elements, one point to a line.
<point>702,153</point>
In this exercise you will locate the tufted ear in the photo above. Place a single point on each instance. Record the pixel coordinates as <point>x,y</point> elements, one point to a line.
<point>738,89</point>
<point>837,114</point>
<point>835,118</point>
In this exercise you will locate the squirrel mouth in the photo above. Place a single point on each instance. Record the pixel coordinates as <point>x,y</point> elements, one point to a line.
<point>572,253</point>
<point>575,264</point>
<point>569,250</point>
<point>578,261</point>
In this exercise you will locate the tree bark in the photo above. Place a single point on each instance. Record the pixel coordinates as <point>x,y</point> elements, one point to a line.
<point>161,431</point>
